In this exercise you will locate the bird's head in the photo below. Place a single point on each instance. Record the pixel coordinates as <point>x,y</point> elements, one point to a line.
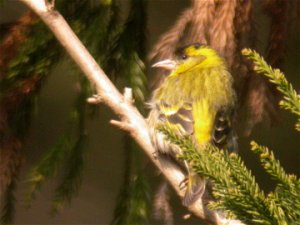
<point>190,57</point>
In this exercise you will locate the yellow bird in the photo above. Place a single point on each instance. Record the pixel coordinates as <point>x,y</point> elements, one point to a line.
<point>196,98</point>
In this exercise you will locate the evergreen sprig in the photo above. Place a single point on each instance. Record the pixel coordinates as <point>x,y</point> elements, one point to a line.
<point>127,52</point>
<point>133,202</point>
<point>291,100</point>
<point>72,177</point>
<point>47,167</point>
<point>68,153</point>
<point>234,187</point>
<point>126,61</point>
<point>23,75</point>
<point>75,160</point>
<point>28,65</point>
<point>8,204</point>
<point>86,17</point>
<point>287,192</point>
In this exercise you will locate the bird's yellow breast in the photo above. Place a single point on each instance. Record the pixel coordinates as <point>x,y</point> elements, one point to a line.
<point>204,118</point>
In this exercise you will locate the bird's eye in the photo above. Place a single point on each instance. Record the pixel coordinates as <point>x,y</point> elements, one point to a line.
<point>183,56</point>
<point>197,46</point>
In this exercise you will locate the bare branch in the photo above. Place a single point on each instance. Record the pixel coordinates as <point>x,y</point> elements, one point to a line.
<point>95,99</point>
<point>122,125</point>
<point>131,120</point>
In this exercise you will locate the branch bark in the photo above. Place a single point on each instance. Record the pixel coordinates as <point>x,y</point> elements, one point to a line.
<point>130,119</point>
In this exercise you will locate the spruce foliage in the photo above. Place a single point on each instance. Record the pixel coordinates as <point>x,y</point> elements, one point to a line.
<point>100,27</point>
<point>291,100</point>
<point>127,60</point>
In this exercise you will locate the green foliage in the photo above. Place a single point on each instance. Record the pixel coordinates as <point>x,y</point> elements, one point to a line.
<point>30,64</point>
<point>234,187</point>
<point>67,155</point>
<point>30,58</point>
<point>287,192</point>
<point>125,61</point>
<point>134,208</point>
<point>291,100</point>
<point>69,150</point>
<point>128,52</point>
<point>72,177</point>
<point>98,25</point>
<point>74,164</point>
<point>8,207</point>
<point>133,202</point>
<point>47,167</point>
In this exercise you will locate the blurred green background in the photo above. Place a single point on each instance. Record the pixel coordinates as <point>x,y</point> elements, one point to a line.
<point>103,173</point>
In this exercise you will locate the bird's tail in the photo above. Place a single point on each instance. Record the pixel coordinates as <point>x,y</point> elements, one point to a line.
<point>195,189</point>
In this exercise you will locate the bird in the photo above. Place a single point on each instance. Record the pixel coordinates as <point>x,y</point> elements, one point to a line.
<point>196,98</point>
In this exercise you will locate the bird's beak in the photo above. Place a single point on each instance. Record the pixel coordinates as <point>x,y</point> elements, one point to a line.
<point>165,64</point>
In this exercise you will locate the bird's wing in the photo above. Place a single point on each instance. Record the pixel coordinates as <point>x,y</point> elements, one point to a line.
<point>178,116</point>
<point>202,121</point>
<point>223,133</point>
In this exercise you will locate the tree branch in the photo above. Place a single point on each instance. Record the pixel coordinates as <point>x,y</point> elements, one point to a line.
<point>130,119</point>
